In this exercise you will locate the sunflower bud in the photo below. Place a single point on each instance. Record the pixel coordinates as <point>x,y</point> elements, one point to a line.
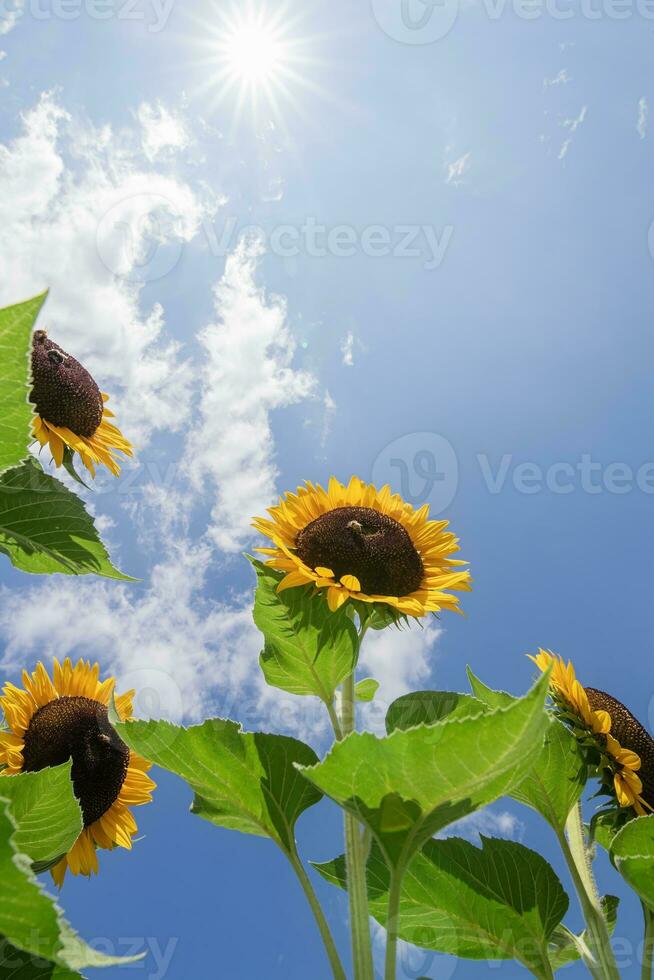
<point>63,391</point>
<point>630,734</point>
<point>71,415</point>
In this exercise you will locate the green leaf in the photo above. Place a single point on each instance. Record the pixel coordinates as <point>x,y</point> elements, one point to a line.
<point>379,616</point>
<point>68,463</point>
<point>502,901</point>
<point>495,699</point>
<point>45,528</point>
<point>16,323</point>
<point>366,689</point>
<point>605,824</point>
<point>242,780</point>
<point>557,777</point>
<point>46,814</point>
<point>428,707</point>
<point>30,920</point>
<point>632,852</point>
<point>408,786</point>
<point>567,948</point>
<point>308,649</point>
<point>15,964</point>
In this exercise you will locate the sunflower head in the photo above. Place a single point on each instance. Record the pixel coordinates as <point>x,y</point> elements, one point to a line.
<point>70,410</point>
<point>63,391</point>
<point>357,543</point>
<point>51,721</point>
<point>617,747</point>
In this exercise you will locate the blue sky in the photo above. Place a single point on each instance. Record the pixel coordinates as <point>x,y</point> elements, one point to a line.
<point>508,354</point>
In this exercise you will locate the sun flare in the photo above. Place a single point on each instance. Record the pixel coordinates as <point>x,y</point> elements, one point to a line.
<point>253,51</point>
<point>256,59</point>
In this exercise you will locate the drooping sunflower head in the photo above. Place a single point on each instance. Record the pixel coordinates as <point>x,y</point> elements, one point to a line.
<point>50,721</point>
<point>619,748</point>
<point>358,543</point>
<point>70,410</point>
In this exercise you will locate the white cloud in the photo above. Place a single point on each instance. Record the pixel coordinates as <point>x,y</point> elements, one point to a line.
<point>330,408</point>
<point>10,17</point>
<point>347,350</point>
<point>457,169</point>
<point>572,125</point>
<point>162,131</point>
<point>641,125</point>
<point>562,78</point>
<point>84,213</point>
<point>187,656</point>
<point>401,660</point>
<point>489,823</point>
<point>248,373</point>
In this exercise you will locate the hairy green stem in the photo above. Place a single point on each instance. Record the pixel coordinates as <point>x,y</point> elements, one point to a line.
<point>393,925</point>
<point>319,915</point>
<point>355,860</point>
<point>573,844</point>
<point>333,717</point>
<point>648,946</point>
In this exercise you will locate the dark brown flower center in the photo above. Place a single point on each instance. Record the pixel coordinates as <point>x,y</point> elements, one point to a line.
<point>79,729</point>
<point>63,392</point>
<point>630,734</point>
<point>361,541</point>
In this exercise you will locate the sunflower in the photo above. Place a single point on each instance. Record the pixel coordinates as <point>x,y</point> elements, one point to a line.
<point>605,726</point>
<point>52,720</point>
<point>360,543</point>
<point>70,409</point>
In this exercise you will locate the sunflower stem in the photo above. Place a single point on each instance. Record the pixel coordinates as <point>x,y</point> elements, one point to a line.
<point>319,916</point>
<point>333,717</point>
<point>575,851</point>
<point>648,944</point>
<point>356,856</point>
<point>393,925</point>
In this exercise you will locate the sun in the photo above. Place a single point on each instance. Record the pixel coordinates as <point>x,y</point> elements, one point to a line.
<point>254,51</point>
<point>255,59</point>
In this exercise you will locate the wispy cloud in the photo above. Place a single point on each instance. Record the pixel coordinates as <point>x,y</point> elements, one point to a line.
<point>643,110</point>
<point>347,349</point>
<point>572,125</point>
<point>162,131</point>
<point>85,214</point>
<point>457,169</point>
<point>562,78</point>
<point>10,17</point>
<point>401,660</point>
<point>248,373</point>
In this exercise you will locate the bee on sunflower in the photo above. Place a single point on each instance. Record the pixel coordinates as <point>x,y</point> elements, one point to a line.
<point>71,414</point>
<point>358,543</point>
<point>50,721</point>
<point>619,749</point>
